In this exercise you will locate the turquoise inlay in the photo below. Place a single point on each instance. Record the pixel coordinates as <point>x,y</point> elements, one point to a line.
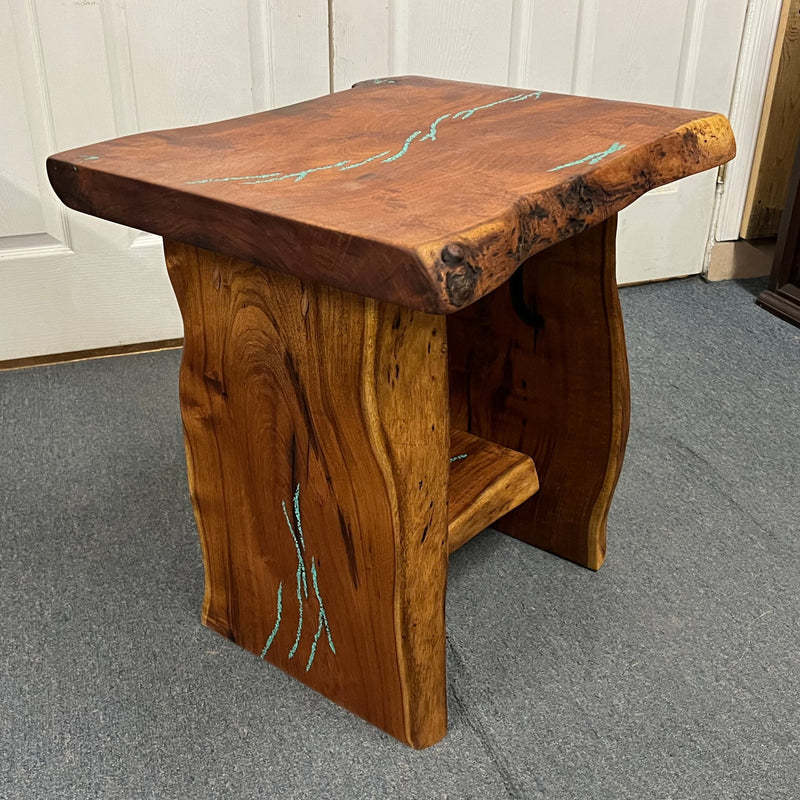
<point>239,178</point>
<point>467,113</point>
<point>322,620</point>
<point>365,161</point>
<point>378,81</point>
<point>277,622</point>
<point>300,562</point>
<point>298,176</point>
<point>458,458</point>
<point>592,158</point>
<point>273,177</point>
<point>301,583</point>
<point>403,150</point>
<point>296,502</point>
<point>89,158</point>
<point>299,614</point>
<point>432,133</point>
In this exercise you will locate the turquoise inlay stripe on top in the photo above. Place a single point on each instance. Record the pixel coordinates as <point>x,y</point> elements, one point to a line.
<point>432,133</point>
<point>277,621</point>
<point>346,164</point>
<point>592,158</point>
<point>403,150</point>
<point>459,457</point>
<point>239,178</point>
<point>365,161</point>
<point>467,113</point>
<point>298,176</point>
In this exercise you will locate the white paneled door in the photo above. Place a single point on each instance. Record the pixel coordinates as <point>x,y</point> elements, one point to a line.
<point>80,71</point>
<point>76,72</point>
<point>681,53</point>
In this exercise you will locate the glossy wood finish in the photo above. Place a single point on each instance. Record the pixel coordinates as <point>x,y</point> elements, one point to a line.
<point>540,366</point>
<point>317,387</point>
<point>486,482</point>
<point>422,192</point>
<point>317,448</point>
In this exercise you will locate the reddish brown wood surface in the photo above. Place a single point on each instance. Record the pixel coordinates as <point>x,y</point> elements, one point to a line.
<point>423,192</point>
<point>540,366</point>
<point>486,482</point>
<point>317,449</point>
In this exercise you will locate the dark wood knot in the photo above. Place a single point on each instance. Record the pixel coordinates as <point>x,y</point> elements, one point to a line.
<point>462,277</point>
<point>453,254</point>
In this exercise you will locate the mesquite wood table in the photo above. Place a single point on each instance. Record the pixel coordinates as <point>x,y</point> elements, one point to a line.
<point>396,299</point>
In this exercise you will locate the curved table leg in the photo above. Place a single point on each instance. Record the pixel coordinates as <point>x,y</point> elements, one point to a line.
<point>540,366</point>
<point>317,447</point>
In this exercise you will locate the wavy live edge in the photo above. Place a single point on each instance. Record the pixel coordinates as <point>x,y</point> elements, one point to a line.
<point>486,482</point>
<point>422,192</point>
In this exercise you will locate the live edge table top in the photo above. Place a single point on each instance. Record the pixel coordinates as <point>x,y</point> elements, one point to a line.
<point>423,192</point>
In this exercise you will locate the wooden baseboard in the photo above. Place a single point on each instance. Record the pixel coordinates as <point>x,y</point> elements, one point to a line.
<point>83,355</point>
<point>729,260</point>
<point>741,259</point>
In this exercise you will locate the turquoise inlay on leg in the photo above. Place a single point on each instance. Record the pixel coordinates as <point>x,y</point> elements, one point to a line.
<point>314,644</point>
<point>299,615</point>
<point>296,503</point>
<point>458,458</point>
<point>592,158</point>
<point>322,620</point>
<point>432,133</point>
<point>403,150</point>
<point>300,562</point>
<point>323,614</point>
<point>277,622</point>
<point>365,161</point>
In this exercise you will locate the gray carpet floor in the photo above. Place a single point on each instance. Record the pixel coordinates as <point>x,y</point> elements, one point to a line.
<point>673,672</point>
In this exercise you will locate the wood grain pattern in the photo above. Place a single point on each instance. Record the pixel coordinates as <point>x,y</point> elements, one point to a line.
<point>486,482</point>
<point>314,488</point>
<point>417,191</point>
<point>540,366</point>
<point>778,133</point>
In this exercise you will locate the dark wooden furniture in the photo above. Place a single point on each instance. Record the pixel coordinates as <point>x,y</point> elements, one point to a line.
<point>396,299</point>
<point>782,297</point>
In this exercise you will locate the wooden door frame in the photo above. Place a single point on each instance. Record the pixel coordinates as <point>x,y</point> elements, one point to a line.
<point>755,61</point>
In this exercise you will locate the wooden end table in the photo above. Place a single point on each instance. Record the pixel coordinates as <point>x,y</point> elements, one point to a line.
<point>396,299</point>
